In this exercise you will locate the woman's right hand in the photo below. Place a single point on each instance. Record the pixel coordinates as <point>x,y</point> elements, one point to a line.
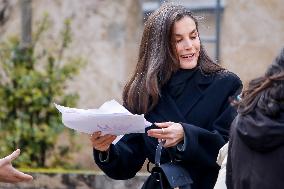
<point>101,143</point>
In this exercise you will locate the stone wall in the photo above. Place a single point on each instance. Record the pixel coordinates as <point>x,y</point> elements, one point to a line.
<point>252,35</point>
<point>106,33</point>
<point>76,181</point>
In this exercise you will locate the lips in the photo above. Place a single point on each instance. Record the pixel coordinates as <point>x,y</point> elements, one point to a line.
<point>187,56</point>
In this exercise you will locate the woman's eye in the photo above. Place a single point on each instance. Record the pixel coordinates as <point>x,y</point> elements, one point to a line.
<point>178,40</point>
<point>193,37</point>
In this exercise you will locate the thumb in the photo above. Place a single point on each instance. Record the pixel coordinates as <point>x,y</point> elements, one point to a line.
<point>14,155</point>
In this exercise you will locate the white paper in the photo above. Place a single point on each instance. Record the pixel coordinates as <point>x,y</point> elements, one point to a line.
<point>110,118</point>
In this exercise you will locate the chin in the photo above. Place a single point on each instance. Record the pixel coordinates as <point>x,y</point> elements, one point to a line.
<point>188,65</point>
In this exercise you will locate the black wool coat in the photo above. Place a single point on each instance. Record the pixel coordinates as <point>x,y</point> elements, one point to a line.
<point>256,152</point>
<point>203,108</point>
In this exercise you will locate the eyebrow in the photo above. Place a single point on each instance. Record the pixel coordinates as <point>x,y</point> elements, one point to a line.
<point>193,31</point>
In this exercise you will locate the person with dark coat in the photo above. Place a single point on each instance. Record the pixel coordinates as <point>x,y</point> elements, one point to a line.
<point>256,147</point>
<point>183,92</point>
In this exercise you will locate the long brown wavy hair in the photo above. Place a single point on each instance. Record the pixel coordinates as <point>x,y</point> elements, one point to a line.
<point>157,60</point>
<point>266,92</point>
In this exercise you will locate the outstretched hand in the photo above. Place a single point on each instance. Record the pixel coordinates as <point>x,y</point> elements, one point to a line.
<point>8,173</point>
<point>170,132</point>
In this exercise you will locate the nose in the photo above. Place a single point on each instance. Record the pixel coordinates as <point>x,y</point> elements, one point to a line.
<point>187,44</point>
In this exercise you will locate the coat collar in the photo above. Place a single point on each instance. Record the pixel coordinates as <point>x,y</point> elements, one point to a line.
<point>176,111</point>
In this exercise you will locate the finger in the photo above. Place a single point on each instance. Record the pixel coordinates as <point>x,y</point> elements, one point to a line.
<point>97,138</point>
<point>105,146</point>
<point>103,149</point>
<point>164,124</point>
<point>177,125</point>
<point>105,140</point>
<point>170,123</point>
<point>16,179</point>
<point>95,135</point>
<point>157,131</point>
<point>164,133</point>
<point>13,156</point>
<point>167,144</point>
<point>160,136</point>
<point>15,176</point>
<point>21,177</point>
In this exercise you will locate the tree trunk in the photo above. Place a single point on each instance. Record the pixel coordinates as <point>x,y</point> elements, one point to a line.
<point>26,23</point>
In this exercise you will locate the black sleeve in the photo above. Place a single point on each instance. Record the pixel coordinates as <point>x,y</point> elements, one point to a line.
<point>202,145</point>
<point>125,158</point>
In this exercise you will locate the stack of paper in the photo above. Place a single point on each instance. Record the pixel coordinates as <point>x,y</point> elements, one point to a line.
<point>110,118</point>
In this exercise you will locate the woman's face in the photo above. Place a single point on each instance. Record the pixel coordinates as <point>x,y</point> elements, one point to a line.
<point>187,42</point>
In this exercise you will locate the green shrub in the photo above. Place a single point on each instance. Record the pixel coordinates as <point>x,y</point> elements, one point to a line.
<point>30,82</point>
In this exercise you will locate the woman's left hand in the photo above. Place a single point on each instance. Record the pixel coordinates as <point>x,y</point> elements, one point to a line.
<point>171,132</point>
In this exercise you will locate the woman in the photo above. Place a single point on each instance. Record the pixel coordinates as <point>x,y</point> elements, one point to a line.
<point>180,89</point>
<point>256,147</point>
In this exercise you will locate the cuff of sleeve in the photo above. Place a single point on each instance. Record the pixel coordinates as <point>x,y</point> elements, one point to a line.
<point>190,142</point>
<point>105,159</point>
<point>181,146</point>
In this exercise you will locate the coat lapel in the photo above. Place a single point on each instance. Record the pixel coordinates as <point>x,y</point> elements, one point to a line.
<point>168,109</point>
<point>193,92</point>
